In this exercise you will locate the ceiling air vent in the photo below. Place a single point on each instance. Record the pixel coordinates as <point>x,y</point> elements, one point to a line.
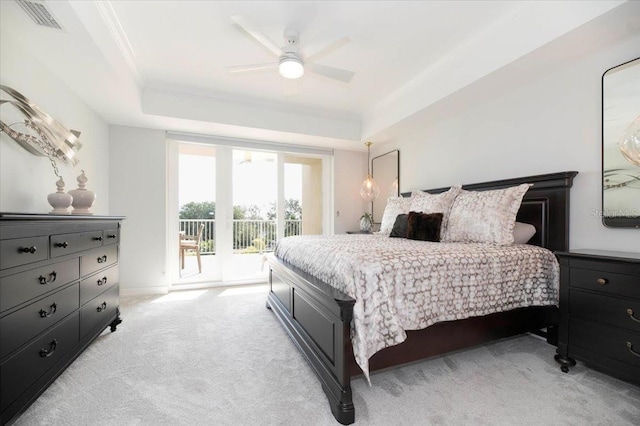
<point>38,11</point>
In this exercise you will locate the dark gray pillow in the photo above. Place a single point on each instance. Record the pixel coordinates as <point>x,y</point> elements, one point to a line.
<point>399,229</point>
<point>424,227</point>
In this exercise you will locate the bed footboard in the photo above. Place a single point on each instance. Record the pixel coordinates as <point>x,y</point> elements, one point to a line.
<point>317,317</point>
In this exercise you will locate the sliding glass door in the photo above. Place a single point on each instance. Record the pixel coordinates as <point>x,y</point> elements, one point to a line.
<point>254,186</point>
<point>236,202</point>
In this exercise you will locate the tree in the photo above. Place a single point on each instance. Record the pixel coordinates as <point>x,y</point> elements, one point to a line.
<point>292,210</point>
<point>238,212</point>
<point>201,210</point>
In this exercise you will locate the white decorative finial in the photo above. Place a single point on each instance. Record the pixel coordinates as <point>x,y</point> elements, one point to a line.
<point>82,180</point>
<point>60,185</point>
<point>83,199</point>
<point>59,200</point>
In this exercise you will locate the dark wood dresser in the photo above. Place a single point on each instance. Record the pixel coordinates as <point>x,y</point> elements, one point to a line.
<point>58,292</point>
<point>599,321</point>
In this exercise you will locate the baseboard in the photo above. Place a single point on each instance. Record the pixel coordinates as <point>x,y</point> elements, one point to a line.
<point>209,284</point>
<point>143,291</point>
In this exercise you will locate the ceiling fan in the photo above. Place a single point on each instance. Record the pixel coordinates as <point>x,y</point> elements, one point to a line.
<point>291,64</point>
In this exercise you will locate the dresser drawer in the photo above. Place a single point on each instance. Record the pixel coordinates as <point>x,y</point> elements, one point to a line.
<point>98,259</point>
<point>98,283</point>
<point>72,243</point>
<point>604,309</point>
<point>21,251</point>
<point>611,342</point>
<point>20,326</point>
<point>606,282</point>
<point>99,312</point>
<point>19,288</point>
<point>26,366</point>
<point>110,236</point>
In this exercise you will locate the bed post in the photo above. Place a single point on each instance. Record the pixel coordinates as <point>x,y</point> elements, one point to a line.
<point>317,318</point>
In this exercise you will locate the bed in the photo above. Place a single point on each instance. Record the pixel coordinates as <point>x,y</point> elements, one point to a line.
<point>318,316</point>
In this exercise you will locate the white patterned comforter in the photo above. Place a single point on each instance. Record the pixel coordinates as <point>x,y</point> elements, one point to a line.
<point>402,284</point>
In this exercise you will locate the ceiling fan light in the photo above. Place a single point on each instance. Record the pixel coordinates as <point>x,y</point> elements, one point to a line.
<point>291,68</point>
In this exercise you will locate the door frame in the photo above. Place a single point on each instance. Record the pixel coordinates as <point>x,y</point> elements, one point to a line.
<point>224,216</point>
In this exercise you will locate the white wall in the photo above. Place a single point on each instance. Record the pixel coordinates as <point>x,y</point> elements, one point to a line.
<point>26,179</point>
<point>350,169</point>
<point>540,114</point>
<point>137,189</point>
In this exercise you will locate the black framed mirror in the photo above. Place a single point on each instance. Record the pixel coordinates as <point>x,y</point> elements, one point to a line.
<point>621,145</point>
<point>385,170</point>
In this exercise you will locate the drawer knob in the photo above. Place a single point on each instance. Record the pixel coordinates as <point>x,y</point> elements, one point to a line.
<point>102,259</point>
<point>630,347</point>
<point>112,236</point>
<point>98,238</point>
<point>52,278</point>
<point>63,244</point>
<point>44,353</point>
<point>31,249</point>
<point>630,313</point>
<point>102,307</point>
<point>102,281</point>
<point>52,310</point>
<point>602,281</point>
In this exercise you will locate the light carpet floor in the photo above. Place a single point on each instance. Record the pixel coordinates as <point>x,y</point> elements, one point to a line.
<point>219,357</point>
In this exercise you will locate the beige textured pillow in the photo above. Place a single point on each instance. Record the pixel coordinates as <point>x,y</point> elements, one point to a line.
<point>523,232</point>
<point>485,216</point>
<point>395,206</point>
<point>423,202</point>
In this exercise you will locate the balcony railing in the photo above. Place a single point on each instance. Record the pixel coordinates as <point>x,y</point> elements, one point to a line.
<point>249,236</point>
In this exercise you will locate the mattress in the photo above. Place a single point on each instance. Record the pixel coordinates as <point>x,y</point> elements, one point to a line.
<point>402,284</point>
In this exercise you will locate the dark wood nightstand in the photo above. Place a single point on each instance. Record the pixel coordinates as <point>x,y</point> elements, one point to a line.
<point>599,320</point>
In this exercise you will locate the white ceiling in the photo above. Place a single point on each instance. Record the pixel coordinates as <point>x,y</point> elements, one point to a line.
<point>161,64</point>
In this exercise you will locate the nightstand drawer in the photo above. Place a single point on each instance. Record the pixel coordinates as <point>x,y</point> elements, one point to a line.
<point>20,326</point>
<point>26,366</point>
<point>21,251</point>
<point>98,259</point>
<point>612,342</point>
<point>98,283</point>
<point>604,309</point>
<point>606,282</point>
<point>72,243</point>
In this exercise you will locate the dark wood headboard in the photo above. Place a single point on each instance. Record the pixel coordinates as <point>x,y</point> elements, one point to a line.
<point>545,205</point>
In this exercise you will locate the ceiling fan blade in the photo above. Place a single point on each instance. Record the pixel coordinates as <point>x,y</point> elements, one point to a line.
<point>252,67</point>
<point>245,25</point>
<point>328,49</point>
<point>330,72</point>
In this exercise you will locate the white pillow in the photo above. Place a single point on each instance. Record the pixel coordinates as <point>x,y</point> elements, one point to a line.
<point>523,232</point>
<point>395,206</point>
<point>423,202</point>
<point>485,216</point>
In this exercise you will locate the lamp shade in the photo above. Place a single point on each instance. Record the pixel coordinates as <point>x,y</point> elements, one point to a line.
<point>291,68</point>
<point>369,189</point>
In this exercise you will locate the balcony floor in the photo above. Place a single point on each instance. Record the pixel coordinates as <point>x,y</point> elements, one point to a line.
<point>243,267</point>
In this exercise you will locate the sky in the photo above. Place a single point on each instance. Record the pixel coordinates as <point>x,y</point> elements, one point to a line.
<point>254,182</point>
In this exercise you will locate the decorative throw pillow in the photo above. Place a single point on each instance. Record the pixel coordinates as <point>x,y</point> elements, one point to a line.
<point>424,202</point>
<point>424,226</point>
<point>484,216</point>
<point>395,206</point>
<point>399,229</point>
<point>523,232</point>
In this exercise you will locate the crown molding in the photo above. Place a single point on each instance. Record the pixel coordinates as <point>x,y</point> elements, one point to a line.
<point>110,18</point>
